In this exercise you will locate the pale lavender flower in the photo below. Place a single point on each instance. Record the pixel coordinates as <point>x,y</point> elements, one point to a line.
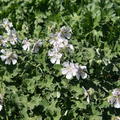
<point>65,32</point>
<point>82,72</point>
<point>9,57</point>
<point>36,46</point>
<point>117,103</point>
<point>58,42</point>
<point>70,69</point>
<point>26,45</point>
<point>55,56</point>
<point>114,99</point>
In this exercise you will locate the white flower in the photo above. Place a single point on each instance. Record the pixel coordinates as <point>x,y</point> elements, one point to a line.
<point>65,32</point>
<point>116,92</point>
<point>55,56</point>
<point>11,37</point>
<point>70,69</point>
<point>114,99</point>
<point>7,25</point>
<point>9,57</point>
<point>26,45</point>
<point>82,72</point>
<point>58,42</point>
<point>36,46</point>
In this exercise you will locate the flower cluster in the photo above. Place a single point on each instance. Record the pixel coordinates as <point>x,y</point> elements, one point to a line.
<point>10,36</point>
<point>59,41</point>
<point>114,99</point>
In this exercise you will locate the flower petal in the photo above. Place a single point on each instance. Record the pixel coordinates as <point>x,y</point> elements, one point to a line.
<point>25,47</point>
<point>58,61</point>
<point>2,51</point>
<point>78,76</point>
<point>53,60</point>
<point>8,62</point>
<point>1,107</point>
<point>69,75</point>
<point>117,103</point>
<point>66,64</point>
<point>64,71</point>
<point>83,75</point>
<point>71,47</point>
<point>14,61</point>
<point>83,68</point>
<point>3,57</point>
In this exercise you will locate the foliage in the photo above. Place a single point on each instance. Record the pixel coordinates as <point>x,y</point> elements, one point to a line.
<point>34,88</point>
